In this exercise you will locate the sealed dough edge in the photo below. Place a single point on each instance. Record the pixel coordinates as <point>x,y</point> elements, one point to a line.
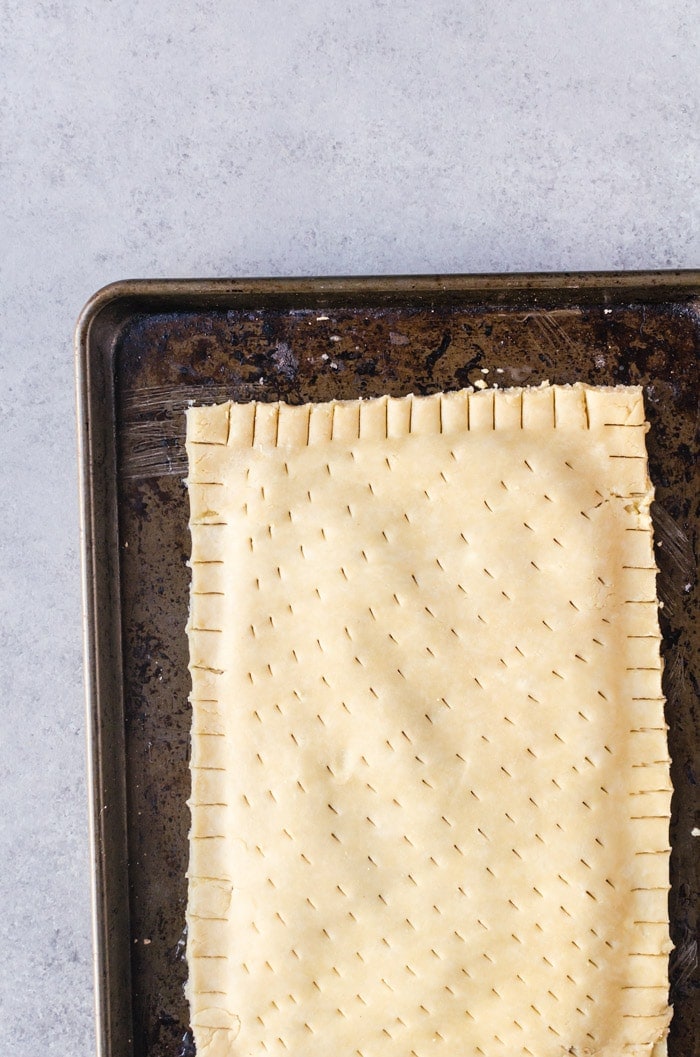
<point>279,424</point>
<point>606,412</point>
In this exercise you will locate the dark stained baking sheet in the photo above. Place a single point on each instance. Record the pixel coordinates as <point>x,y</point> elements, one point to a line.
<point>145,351</point>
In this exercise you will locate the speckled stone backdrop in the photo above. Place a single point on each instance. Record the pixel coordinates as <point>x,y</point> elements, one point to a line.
<point>280,137</point>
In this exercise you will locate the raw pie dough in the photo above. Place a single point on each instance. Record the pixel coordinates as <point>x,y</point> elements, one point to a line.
<point>430,782</point>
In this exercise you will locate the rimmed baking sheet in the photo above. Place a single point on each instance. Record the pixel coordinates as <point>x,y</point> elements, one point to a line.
<point>145,351</point>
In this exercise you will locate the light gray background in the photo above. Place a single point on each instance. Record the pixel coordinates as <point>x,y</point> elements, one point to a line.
<point>299,137</point>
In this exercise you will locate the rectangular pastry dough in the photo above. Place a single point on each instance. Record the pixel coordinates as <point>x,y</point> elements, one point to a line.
<point>430,781</point>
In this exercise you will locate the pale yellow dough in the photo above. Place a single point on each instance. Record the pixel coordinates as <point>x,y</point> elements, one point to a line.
<point>430,781</point>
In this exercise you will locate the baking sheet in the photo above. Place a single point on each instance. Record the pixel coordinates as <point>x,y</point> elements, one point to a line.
<point>145,351</point>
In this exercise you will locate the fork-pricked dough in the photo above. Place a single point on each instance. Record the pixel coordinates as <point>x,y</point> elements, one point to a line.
<point>430,783</point>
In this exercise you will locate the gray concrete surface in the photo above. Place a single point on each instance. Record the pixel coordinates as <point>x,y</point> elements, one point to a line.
<point>279,137</point>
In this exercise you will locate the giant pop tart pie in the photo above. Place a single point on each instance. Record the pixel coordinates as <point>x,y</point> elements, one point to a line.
<point>430,780</point>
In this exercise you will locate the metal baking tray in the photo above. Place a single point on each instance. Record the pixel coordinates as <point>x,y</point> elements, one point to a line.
<point>145,349</point>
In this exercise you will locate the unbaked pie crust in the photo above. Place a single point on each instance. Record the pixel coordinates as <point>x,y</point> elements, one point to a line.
<point>430,780</point>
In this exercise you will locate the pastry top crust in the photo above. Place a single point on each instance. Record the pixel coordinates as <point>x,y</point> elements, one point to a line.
<point>430,788</point>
